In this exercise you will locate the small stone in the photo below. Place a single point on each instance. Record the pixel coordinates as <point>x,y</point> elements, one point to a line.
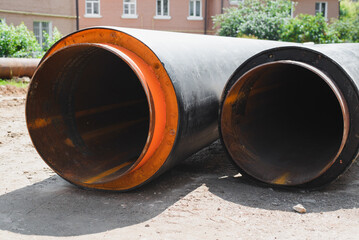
<point>147,225</point>
<point>299,208</point>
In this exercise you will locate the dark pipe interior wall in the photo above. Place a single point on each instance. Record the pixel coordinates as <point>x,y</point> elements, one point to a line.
<point>290,122</point>
<point>99,109</point>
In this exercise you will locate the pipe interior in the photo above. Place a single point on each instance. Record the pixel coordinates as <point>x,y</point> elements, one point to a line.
<point>96,111</point>
<point>288,123</point>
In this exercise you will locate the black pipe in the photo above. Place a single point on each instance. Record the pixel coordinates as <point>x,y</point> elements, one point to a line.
<point>289,116</point>
<point>111,108</point>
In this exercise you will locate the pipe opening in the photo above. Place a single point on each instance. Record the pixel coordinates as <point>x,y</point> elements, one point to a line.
<point>284,123</point>
<point>88,114</point>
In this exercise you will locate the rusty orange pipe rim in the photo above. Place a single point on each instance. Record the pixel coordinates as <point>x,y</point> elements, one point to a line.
<point>160,101</point>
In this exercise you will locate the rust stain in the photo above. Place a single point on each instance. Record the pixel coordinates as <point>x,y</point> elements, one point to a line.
<point>40,123</point>
<point>107,173</point>
<point>69,142</point>
<point>282,179</point>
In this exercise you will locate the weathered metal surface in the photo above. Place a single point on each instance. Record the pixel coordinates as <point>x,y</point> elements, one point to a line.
<point>289,115</point>
<point>111,108</point>
<point>17,67</point>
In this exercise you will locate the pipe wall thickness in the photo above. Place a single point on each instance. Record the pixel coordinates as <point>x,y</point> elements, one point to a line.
<point>289,115</point>
<point>112,108</point>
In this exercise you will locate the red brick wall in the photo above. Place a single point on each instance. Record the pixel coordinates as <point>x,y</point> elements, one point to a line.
<point>66,8</point>
<point>111,14</point>
<point>308,7</point>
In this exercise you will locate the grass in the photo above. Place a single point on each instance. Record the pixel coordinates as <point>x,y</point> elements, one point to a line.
<point>13,83</point>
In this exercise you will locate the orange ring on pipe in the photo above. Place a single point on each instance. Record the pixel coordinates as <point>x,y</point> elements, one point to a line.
<point>160,93</point>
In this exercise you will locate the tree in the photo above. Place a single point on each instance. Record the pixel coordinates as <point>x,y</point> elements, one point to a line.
<point>346,28</point>
<point>51,40</point>
<point>308,28</point>
<point>259,18</point>
<point>349,9</point>
<point>17,41</point>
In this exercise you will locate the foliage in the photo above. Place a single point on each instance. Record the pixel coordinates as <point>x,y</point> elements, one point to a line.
<point>51,40</point>
<point>349,10</point>
<point>17,41</point>
<point>13,83</point>
<point>259,18</point>
<point>269,19</point>
<point>346,30</point>
<point>308,28</point>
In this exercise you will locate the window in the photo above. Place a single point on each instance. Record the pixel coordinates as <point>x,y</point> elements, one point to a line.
<point>92,8</point>
<point>40,28</point>
<point>321,7</point>
<point>162,9</point>
<point>129,9</point>
<point>292,8</point>
<point>195,10</point>
<point>235,2</point>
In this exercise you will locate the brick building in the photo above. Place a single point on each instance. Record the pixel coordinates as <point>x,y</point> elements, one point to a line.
<point>40,15</point>
<point>329,8</point>
<point>192,16</point>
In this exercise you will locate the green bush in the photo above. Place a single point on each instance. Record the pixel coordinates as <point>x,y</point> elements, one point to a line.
<point>349,9</point>
<point>51,40</point>
<point>18,42</point>
<point>308,28</point>
<point>259,18</point>
<point>346,30</point>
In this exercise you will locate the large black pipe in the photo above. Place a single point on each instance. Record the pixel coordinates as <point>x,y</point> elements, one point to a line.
<point>289,116</point>
<point>111,108</point>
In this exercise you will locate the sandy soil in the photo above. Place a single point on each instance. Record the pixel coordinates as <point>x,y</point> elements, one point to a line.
<point>203,198</point>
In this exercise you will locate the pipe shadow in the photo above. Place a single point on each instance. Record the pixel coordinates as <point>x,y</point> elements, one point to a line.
<point>341,194</point>
<point>54,207</point>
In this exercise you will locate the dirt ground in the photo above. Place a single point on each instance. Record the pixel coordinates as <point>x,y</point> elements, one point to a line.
<point>203,198</point>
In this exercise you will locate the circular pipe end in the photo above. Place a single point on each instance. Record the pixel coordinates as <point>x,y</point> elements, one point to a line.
<point>284,123</point>
<point>99,116</point>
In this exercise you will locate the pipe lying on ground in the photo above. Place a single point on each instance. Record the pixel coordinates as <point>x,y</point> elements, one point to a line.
<point>112,108</point>
<point>289,116</point>
<point>17,67</point>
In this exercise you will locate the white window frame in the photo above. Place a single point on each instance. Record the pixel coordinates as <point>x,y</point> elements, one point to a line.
<point>292,10</point>
<point>194,17</point>
<point>129,14</point>
<point>235,2</point>
<point>41,31</point>
<point>162,16</point>
<point>92,14</point>
<point>321,9</point>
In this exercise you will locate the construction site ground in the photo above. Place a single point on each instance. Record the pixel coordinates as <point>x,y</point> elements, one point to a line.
<point>202,198</point>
